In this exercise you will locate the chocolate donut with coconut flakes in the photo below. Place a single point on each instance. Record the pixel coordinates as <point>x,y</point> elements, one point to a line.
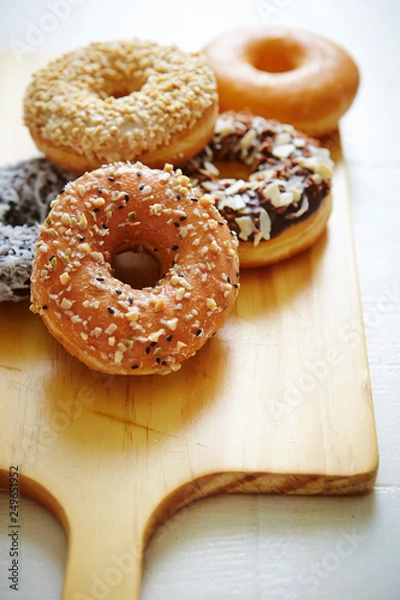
<point>283,201</point>
<point>26,190</point>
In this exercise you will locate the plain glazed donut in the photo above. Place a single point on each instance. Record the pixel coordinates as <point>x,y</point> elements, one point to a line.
<point>280,205</point>
<point>121,101</point>
<point>293,76</point>
<point>104,322</point>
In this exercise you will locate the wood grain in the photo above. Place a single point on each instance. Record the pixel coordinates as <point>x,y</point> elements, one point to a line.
<point>278,402</point>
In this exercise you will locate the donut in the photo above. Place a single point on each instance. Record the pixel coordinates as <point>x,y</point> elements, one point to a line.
<point>104,322</point>
<point>26,190</point>
<point>292,76</point>
<point>270,182</point>
<point>119,101</point>
<point>17,246</point>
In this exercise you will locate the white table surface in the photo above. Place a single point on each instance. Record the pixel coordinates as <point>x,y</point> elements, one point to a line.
<point>261,547</point>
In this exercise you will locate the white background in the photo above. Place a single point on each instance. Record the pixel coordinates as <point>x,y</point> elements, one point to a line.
<point>260,547</point>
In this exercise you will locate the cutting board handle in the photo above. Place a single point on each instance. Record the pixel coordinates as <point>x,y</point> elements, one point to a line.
<point>103,562</point>
<point>105,542</point>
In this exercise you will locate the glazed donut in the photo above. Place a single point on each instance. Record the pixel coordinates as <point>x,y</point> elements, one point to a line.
<point>104,322</point>
<point>121,101</point>
<point>293,76</point>
<point>281,205</point>
<point>26,190</point>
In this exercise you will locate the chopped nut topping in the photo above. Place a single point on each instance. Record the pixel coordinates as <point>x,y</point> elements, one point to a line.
<point>101,126</point>
<point>65,278</point>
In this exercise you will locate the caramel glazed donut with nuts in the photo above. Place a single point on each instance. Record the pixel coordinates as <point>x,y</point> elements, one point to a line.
<point>119,101</point>
<point>101,320</point>
<point>293,76</point>
<point>283,202</point>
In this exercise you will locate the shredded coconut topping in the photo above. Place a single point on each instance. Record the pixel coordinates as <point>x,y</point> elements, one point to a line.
<point>26,190</point>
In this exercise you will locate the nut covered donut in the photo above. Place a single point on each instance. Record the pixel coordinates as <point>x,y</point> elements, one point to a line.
<point>280,202</point>
<point>118,101</point>
<point>104,322</point>
<point>293,76</point>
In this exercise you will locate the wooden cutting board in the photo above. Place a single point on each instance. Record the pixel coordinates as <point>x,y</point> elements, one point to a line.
<point>278,401</point>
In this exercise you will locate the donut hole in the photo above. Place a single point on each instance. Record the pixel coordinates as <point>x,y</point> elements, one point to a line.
<point>121,93</point>
<point>233,169</point>
<point>137,267</point>
<point>120,87</point>
<point>275,56</point>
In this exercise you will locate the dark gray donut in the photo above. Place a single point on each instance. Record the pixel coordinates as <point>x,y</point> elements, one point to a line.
<point>26,191</point>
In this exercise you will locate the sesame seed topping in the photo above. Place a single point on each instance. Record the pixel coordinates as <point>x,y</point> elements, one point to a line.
<point>110,310</point>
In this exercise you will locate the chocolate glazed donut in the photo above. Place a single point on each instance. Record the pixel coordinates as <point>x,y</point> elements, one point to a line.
<point>282,203</point>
